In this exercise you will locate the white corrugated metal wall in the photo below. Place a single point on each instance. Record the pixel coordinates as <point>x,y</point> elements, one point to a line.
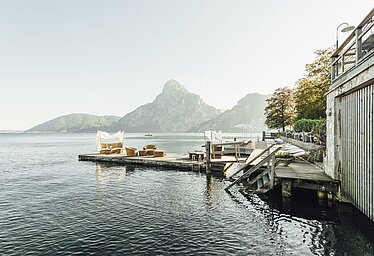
<point>357,150</point>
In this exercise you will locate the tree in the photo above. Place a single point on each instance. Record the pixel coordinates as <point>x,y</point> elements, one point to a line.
<point>280,109</point>
<point>310,99</point>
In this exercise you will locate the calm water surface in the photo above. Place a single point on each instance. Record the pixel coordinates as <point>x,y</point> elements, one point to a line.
<point>52,204</point>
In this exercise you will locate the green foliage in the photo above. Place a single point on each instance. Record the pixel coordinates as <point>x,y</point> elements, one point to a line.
<point>317,127</point>
<point>320,131</point>
<point>310,99</point>
<point>283,155</point>
<point>279,110</point>
<point>307,103</point>
<point>307,125</point>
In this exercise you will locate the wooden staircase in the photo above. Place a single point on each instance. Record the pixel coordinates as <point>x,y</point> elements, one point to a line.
<point>263,179</point>
<point>260,184</point>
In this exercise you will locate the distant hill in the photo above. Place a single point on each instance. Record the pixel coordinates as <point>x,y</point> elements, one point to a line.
<point>247,116</point>
<point>174,110</point>
<point>75,123</point>
<point>11,131</point>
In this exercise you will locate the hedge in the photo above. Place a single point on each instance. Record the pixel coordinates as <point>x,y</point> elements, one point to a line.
<point>308,125</point>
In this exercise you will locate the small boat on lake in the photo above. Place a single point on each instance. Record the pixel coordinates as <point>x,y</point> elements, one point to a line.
<point>148,134</point>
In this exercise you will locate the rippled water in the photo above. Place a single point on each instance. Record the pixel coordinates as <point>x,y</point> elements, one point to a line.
<point>52,204</point>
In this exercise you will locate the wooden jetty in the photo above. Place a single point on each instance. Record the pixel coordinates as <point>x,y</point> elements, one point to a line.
<point>171,161</point>
<point>305,175</point>
<point>259,175</point>
<point>261,172</point>
<point>168,161</point>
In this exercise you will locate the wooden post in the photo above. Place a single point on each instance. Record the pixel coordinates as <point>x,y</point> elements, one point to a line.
<point>272,172</point>
<point>208,155</point>
<point>286,188</point>
<point>263,135</point>
<point>237,152</point>
<point>268,163</point>
<point>358,45</point>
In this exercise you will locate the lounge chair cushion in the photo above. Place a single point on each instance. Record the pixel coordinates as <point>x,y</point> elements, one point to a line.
<point>158,153</point>
<point>149,147</point>
<point>130,151</point>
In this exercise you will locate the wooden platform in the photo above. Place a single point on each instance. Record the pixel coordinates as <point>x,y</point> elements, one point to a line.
<point>297,170</point>
<point>168,161</point>
<point>306,175</point>
<point>300,174</point>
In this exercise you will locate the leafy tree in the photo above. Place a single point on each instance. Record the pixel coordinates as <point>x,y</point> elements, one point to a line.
<point>310,99</point>
<point>280,109</point>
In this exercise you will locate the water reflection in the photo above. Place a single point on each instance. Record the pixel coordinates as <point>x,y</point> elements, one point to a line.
<point>302,236</point>
<point>105,174</point>
<point>57,205</point>
<point>213,191</point>
<point>315,227</point>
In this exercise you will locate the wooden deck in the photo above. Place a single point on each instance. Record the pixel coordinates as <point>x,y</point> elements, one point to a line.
<point>301,174</point>
<point>305,171</point>
<point>168,161</point>
<point>306,175</point>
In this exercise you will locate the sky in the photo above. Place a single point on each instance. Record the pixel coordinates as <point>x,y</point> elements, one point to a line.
<point>108,57</point>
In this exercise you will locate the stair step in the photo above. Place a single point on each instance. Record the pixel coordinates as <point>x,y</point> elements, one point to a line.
<point>258,180</point>
<point>260,183</point>
<point>266,178</point>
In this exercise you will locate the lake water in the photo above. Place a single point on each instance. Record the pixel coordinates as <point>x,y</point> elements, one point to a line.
<point>52,204</point>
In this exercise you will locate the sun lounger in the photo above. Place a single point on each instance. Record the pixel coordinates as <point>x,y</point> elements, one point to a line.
<point>149,149</point>
<point>130,151</point>
<point>158,153</point>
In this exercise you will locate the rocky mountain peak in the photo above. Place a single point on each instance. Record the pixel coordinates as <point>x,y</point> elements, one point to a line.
<point>249,98</point>
<point>173,86</point>
<point>249,112</point>
<point>174,110</point>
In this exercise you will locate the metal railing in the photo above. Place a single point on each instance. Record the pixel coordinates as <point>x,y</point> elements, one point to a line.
<point>358,45</point>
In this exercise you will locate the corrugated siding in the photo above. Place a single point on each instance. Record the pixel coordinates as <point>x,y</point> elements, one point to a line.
<point>357,137</point>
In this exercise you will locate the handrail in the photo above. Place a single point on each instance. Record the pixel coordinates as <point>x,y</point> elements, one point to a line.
<point>352,35</point>
<point>231,143</point>
<point>339,65</point>
<point>254,168</point>
<point>338,57</point>
<point>246,165</point>
<point>366,30</point>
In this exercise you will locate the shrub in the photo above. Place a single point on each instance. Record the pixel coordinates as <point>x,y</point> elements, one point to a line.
<point>283,155</point>
<point>317,127</point>
<point>308,125</point>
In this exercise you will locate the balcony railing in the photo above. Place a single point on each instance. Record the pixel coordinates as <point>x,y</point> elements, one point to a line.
<point>358,45</point>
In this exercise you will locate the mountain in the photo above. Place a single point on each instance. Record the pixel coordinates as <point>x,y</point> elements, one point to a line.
<point>174,110</point>
<point>247,116</point>
<point>10,131</point>
<point>75,123</point>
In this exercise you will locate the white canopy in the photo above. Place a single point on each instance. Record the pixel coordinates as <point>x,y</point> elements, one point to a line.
<point>213,136</point>
<point>106,138</point>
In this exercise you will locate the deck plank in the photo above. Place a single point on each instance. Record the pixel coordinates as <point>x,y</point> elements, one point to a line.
<point>303,171</point>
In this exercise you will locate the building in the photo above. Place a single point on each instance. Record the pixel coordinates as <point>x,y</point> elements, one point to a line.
<point>350,118</point>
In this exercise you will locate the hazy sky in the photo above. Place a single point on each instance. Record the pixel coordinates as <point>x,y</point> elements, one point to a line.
<point>109,57</point>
